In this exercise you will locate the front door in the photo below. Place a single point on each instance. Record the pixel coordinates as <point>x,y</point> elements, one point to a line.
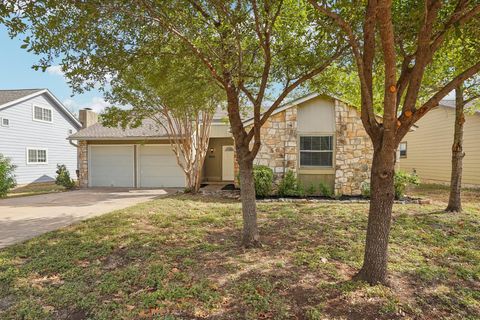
<point>228,159</point>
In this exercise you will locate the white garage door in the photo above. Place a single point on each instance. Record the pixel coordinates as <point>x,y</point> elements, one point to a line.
<point>111,166</point>
<point>157,167</point>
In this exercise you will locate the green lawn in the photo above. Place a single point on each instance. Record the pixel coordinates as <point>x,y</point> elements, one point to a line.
<point>35,189</point>
<point>178,258</point>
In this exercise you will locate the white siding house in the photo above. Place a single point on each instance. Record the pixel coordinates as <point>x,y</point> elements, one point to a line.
<point>34,127</point>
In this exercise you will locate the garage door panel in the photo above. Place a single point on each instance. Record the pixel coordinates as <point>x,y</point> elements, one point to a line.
<point>111,166</point>
<point>157,166</point>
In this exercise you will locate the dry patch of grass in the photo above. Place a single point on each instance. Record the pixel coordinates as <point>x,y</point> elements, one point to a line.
<point>179,258</point>
<point>35,189</point>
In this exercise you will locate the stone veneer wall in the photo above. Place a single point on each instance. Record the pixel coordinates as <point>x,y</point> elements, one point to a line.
<point>279,143</point>
<point>82,152</point>
<point>354,151</point>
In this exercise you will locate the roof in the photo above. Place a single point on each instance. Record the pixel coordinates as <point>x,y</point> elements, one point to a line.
<point>12,97</point>
<point>449,103</point>
<point>148,130</point>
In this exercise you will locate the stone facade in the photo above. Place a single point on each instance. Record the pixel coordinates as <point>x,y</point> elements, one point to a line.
<point>82,152</point>
<point>353,151</point>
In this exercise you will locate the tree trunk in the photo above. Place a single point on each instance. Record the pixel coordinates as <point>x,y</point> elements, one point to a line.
<point>250,237</point>
<point>374,269</point>
<point>455,201</point>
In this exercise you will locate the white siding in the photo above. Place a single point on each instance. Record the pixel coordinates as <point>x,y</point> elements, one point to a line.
<point>25,133</point>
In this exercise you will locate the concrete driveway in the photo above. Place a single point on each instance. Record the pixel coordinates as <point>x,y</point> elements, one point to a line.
<point>26,217</point>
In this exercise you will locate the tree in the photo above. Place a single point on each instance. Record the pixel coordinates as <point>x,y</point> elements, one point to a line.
<point>399,41</point>
<point>464,93</point>
<point>176,96</point>
<point>255,50</point>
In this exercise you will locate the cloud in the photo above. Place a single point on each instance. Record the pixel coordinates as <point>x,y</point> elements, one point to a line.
<point>97,104</point>
<point>55,70</point>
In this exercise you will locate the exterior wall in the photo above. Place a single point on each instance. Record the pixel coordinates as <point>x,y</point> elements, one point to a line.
<point>429,147</point>
<point>279,143</point>
<point>212,168</point>
<point>354,151</point>
<point>23,132</point>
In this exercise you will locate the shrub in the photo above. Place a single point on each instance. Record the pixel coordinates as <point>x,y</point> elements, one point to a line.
<point>63,177</point>
<point>263,177</point>
<point>402,180</point>
<point>325,190</point>
<point>311,190</point>
<point>288,185</point>
<point>365,189</point>
<point>7,176</point>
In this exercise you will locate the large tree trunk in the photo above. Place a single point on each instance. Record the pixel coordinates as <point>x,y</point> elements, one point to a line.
<point>250,236</point>
<point>374,269</point>
<point>455,201</point>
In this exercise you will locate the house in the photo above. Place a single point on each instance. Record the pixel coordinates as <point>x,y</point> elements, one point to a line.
<point>34,126</point>
<point>427,150</point>
<point>318,137</point>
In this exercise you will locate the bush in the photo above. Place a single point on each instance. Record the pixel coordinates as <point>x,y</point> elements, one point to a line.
<point>7,176</point>
<point>365,189</point>
<point>325,189</point>
<point>63,177</point>
<point>263,178</point>
<point>311,190</point>
<point>402,180</point>
<point>290,187</point>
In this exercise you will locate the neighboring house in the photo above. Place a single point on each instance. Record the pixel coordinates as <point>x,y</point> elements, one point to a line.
<point>320,138</point>
<point>427,150</point>
<point>34,127</point>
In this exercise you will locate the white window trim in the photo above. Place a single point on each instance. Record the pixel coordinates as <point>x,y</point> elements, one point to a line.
<point>400,149</point>
<point>36,163</point>
<point>320,151</point>
<point>1,122</point>
<point>40,120</point>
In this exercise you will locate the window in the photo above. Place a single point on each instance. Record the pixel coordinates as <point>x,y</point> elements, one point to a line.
<point>42,114</point>
<point>37,156</point>
<point>403,149</point>
<point>5,122</point>
<point>316,151</point>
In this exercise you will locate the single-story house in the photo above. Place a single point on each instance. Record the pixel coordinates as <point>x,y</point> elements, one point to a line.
<point>427,150</point>
<point>34,126</point>
<point>318,137</point>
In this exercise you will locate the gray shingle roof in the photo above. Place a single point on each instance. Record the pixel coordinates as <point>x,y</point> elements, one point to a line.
<point>7,96</point>
<point>148,130</point>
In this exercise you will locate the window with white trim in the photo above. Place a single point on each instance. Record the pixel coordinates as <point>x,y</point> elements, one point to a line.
<point>42,114</point>
<point>5,122</point>
<point>37,156</point>
<point>316,151</point>
<point>403,149</point>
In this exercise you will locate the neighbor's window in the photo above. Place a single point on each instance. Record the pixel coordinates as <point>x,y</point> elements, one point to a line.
<point>42,114</point>
<point>37,156</point>
<point>5,122</point>
<point>403,149</point>
<point>316,151</point>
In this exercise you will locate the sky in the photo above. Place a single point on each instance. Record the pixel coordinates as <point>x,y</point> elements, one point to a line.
<point>16,73</point>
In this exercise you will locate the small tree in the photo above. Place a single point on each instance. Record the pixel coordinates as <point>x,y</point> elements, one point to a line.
<point>178,98</point>
<point>63,177</point>
<point>7,176</point>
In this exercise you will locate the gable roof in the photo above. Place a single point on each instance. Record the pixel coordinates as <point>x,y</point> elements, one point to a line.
<point>147,130</point>
<point>11,97</point>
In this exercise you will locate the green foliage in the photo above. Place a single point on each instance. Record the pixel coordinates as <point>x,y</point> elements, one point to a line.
<point>263,177</point>
<point>325,189</point>
<point>311,190</point>
<point>7,177</point>
<point>365,189</point>
<point>63,177</point>
<point>402,180</point>
<point>290,187</point>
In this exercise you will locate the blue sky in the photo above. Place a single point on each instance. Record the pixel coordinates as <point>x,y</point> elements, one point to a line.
<point>16,73</point>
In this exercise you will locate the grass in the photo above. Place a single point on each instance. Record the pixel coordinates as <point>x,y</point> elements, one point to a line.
<point>35,189</point>
<point>178,258</point>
